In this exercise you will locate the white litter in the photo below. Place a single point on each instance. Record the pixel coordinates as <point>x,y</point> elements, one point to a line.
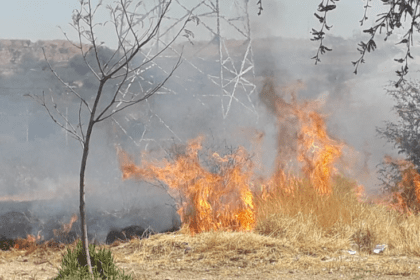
<point>379,248</point>
<point>351,252</point>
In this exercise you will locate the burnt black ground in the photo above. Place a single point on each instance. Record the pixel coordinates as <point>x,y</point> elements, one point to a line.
<point>127,233</point>
<point>15,225</point>
<point>18,219</point>
<point>6,243</point>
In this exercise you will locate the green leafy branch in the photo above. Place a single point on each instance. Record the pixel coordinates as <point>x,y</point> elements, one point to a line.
<point>260,7</point>
<point>391,20</point>
<point>366,7</point>
<point>319,35</point>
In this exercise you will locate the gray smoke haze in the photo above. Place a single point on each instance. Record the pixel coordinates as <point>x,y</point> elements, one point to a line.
<point>40,162</point>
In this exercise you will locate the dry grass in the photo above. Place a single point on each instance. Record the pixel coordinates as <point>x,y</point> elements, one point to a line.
<point>307,237</point>
<point>310,222</point>
<point>217,255</point>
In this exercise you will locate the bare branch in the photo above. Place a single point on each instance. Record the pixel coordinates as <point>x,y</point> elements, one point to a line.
<point>80,125</point>
<point>93,41</point>
<point>41,101</point>
<point>110,59</point>
<point>167,45</point>
<point>68,39</point>
<point>60,114</point>
<point>146,96</point>
<point>146,41</point>
<point>121,39</point>
<point>129,22</point>
<point>88,64</point>
<point>64,83</point>
<point>77,16</point>
<point>114,97</point>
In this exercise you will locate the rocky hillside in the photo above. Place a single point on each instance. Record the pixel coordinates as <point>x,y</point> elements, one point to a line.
<point>15,53</point>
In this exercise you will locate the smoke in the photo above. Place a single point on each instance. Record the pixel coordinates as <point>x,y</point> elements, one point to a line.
<point>354,105</point>
<point>40,162</point>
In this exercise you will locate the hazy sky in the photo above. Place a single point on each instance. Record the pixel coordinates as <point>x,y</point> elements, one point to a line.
<point>39,19</point>
<point>361,97</point>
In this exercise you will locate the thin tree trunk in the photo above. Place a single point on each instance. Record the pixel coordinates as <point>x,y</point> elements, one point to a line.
<point>85,240</point>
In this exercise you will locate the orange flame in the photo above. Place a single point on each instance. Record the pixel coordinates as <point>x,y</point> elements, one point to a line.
<point>317,150</point>
<point>215,201</point>
<point>65,229</point>
<point>405,198</point>
<point>32,238</point>
<point>225,199</point>
<point>360,193</point>
<point>29,243</point>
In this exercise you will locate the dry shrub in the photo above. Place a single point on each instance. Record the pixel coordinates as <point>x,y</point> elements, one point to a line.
<point>364,239</point>
<point>339,221</point>
<point>25,244</point>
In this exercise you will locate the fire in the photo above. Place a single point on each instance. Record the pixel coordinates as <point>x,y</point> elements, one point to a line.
<point>360,193</point>
<point>29,243</point>
<point>225,199</point>
<point>405,196</point>
<point>210,201</point>
<point>65,229</point>
<point>317,151</point>
<point>32,238</point>
<point>314,148</point>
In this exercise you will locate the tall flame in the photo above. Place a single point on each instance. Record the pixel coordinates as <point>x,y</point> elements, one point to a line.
<point>65,228</point>
<point>317,151</point>
<point>225,199</point>
<point>209,200</point>
<point>405,196</point>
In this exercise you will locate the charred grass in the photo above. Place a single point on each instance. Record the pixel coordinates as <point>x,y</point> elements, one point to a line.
<point>299,236</point>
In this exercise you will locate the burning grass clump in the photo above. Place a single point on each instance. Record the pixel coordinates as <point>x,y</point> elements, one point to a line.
<point>74,265</point>
<point>306,202</point>
<point>292,208</point>
<point>207,200</point>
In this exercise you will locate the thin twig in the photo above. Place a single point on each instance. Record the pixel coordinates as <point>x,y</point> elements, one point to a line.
<point>92,34</point>
<point>146,96</point>
<point>64,83</point>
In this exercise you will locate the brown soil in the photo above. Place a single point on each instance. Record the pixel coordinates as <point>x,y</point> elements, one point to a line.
<point>178,256</point>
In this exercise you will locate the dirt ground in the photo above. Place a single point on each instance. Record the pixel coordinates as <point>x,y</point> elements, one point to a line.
<point>44,264</point>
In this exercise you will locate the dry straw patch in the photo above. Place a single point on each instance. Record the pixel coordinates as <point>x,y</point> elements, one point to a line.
<point>295,233</point>
<point>310,222</point>
<point>219,255</point>
<point>247,254</point>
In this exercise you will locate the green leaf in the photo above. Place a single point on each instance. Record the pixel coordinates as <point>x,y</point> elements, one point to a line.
<point>321,19</point>
<point>371,45</point>
<point>330,7</point>
<point>370,31</point>
<point>403,41</point>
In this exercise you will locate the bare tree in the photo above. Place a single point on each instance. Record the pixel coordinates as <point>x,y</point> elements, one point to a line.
<point>119,69</point>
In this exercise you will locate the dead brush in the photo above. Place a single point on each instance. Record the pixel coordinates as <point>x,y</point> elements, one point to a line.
<point>364,239</point>
<point>335,222</point>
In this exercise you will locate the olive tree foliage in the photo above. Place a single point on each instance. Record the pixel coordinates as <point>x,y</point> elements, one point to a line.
<point>398,176</point>
<point>260,7</point>
<point>403,15</point>
<point>404,134</point>
<point>115,73</point>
